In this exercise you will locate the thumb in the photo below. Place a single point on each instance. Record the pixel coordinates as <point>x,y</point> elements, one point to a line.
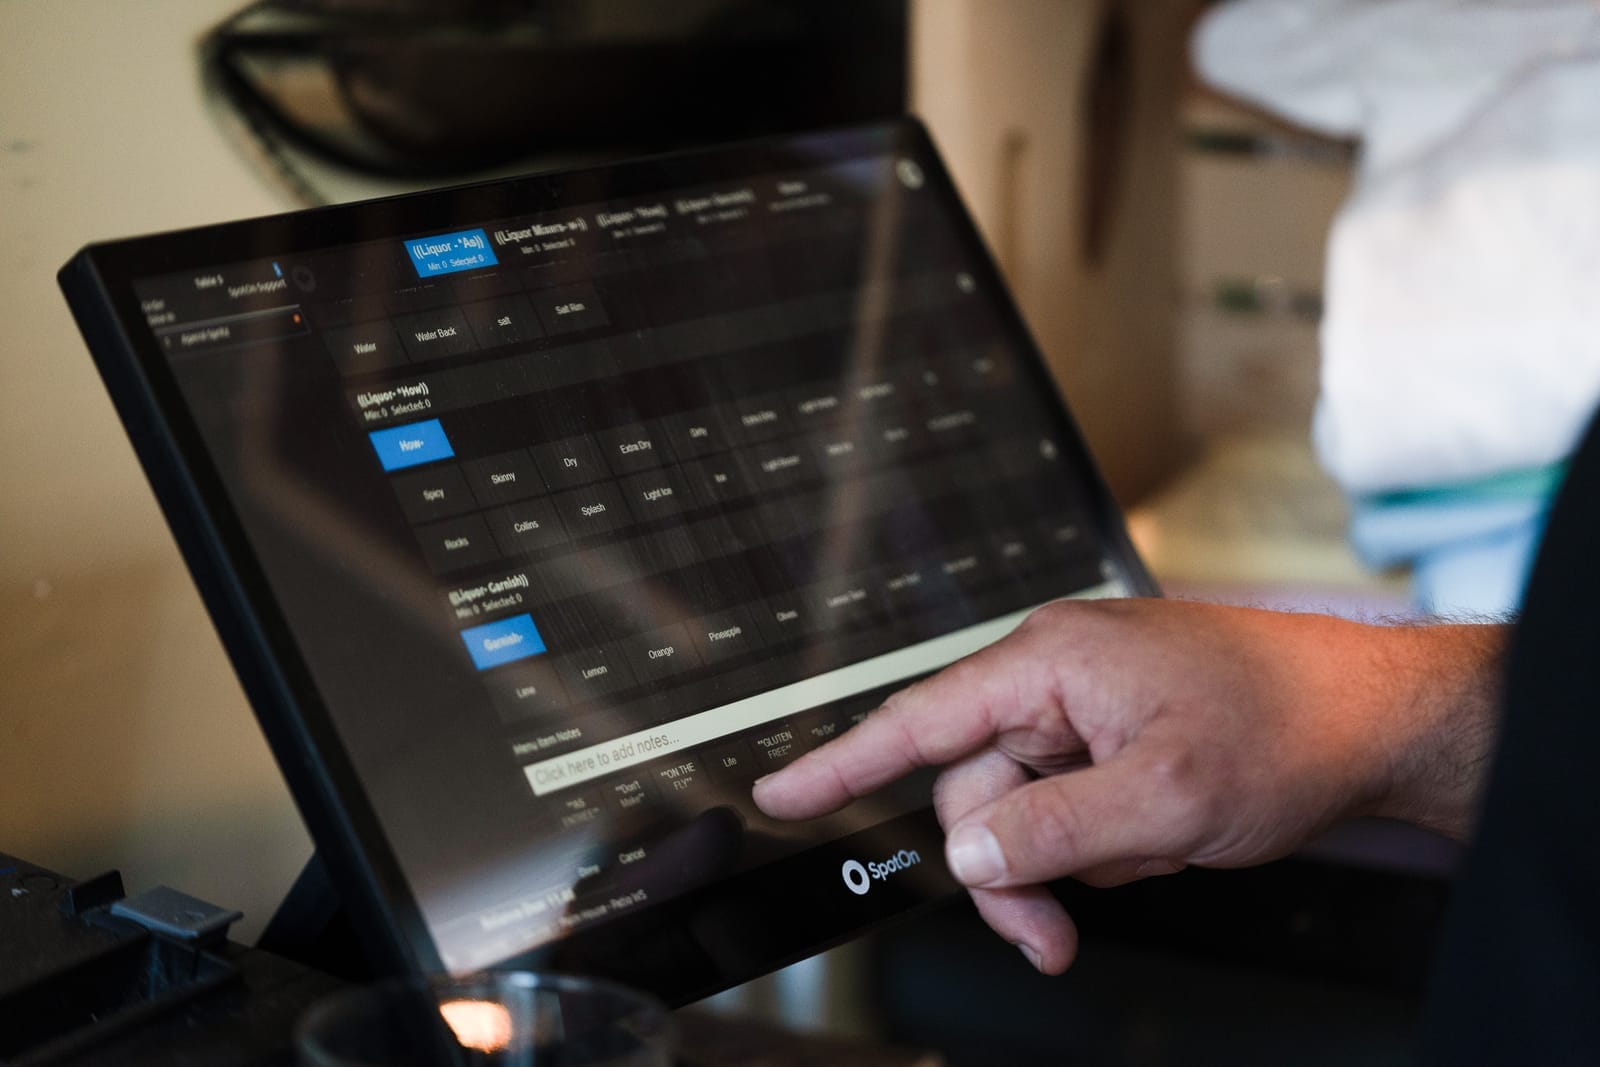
<point>1125,809</point>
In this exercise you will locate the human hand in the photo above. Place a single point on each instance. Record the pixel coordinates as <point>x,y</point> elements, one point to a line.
<point>1193,734</point>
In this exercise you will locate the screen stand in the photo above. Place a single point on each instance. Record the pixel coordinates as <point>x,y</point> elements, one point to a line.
<point>311,927</point>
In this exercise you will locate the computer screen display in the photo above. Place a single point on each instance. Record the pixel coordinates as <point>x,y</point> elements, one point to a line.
<point>544,517</point>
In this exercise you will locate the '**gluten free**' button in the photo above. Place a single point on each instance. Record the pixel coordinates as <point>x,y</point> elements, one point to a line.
<point>505,641</point>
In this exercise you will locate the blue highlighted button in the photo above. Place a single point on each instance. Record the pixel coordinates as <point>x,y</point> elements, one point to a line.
<point>447,253</point>
<point>505,641</point>
<point>411,445</point>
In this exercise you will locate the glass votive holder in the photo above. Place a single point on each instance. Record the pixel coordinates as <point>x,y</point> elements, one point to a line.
<point>505,1019</point>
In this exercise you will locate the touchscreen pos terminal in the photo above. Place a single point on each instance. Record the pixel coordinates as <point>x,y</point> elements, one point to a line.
<point>541,517</point>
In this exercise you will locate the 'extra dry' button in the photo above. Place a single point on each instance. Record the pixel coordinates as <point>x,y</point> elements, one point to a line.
<point>633,448</point>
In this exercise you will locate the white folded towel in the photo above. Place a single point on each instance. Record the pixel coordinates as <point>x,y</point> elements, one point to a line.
<point>1462,328</point>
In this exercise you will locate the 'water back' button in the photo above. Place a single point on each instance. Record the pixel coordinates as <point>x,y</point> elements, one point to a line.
<point>434,334</point>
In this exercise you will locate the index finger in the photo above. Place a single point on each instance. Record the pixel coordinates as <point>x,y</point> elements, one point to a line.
<point>938,720</point>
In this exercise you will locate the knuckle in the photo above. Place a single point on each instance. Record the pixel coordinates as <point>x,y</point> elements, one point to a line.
<point>1042,820</point>
<point>1051,616</point>
<point>1181,790</point>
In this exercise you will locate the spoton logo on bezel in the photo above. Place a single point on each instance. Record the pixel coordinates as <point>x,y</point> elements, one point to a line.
<point>858,877</point>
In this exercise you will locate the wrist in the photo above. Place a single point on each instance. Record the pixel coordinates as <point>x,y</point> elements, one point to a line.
<point>1440,724</point>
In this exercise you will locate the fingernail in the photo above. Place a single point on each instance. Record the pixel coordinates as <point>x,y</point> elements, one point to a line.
<point>974,855</point>
<point>763,779</point>
<point>1031,956</point>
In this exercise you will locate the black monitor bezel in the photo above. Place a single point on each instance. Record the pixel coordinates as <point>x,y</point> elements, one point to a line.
<point>98,286</point>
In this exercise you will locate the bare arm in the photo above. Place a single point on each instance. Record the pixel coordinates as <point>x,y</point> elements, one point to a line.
<point>1196,734</point>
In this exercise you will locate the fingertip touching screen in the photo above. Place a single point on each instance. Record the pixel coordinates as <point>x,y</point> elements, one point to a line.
<point>579,503</point>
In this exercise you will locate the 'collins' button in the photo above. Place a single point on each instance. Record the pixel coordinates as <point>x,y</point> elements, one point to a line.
<point>400,447</point>
<point>505,641</point>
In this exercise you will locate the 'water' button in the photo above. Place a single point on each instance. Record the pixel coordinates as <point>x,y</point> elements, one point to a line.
<point>505,641</point>
<point>400,447</point>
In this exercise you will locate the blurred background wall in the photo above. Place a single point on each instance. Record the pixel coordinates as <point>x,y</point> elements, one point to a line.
<point>124,738</point>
